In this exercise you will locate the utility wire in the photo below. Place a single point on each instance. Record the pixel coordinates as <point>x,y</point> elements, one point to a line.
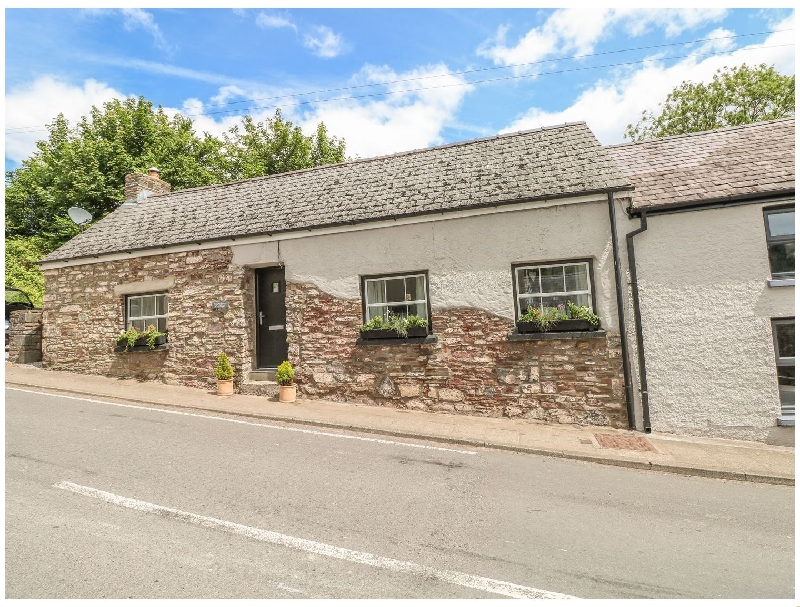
<point>19,130</point>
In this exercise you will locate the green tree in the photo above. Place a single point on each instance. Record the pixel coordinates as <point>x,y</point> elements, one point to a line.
<point>735,96</point>
<point>22,270</point>
<point>85,166</point>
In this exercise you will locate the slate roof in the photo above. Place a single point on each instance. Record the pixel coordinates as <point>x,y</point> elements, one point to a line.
<point>541,163</point>
<point>687,169</point>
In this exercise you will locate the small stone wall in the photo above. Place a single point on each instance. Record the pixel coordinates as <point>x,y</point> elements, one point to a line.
<point>472,368</point>
<point>25,337</point>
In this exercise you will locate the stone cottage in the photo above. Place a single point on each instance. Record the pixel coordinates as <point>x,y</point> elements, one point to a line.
<point>466,236</point>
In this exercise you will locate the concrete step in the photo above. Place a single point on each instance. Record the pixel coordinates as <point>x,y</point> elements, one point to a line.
<point>262,375</point>
<point>259,388</point>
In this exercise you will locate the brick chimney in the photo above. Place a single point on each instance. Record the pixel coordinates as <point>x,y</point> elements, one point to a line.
<point>136,183</point>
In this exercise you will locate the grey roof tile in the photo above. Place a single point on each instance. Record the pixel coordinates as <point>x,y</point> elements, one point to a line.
<point>755,158</point>
<point>545,162</point>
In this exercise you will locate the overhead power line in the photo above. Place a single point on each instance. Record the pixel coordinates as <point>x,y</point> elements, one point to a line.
<point>29,129</point>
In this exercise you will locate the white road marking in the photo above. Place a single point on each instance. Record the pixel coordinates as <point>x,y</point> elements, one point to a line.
<point>453,577</point>
<point>381,441</point>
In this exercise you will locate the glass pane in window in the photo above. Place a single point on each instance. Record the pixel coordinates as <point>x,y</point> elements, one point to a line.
<point>162,324</point>
<point>781,224</point>
<point>415,288</point>
<point>376,311</point>
<point>139,324</point>
<point>420,310</point>
<point>580,300</point>
<point>781,259</point>
<point>553,279</point>
<point>135,308</point>
<point>396,289</point>
<point>784,335</point>
<point>529,302</point>
<point>375,291</point>
<point>528,280</point>
<point>400,310</point>
<point>161,304</point>
<point>554,301</point>
<point>149,305</point>
<point>576,278</point>
<point>786,389</point>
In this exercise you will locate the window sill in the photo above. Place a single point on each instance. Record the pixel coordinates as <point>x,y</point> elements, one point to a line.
<point>429,339</point>
<point>513,336</point>
<point>780,282</point>
<point>786,420</point>
<point>121,349</point>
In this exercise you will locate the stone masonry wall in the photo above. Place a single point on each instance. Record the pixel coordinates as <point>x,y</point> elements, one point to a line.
<point>472,369</point>
<point>82,315</point>
<point>25,337</point>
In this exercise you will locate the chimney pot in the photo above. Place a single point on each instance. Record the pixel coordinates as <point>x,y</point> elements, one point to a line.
<point>154,172</point>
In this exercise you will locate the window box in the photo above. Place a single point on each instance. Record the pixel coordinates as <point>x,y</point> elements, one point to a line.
<point>389,334</point>
<point>573,324</point>
<point>141,345</point>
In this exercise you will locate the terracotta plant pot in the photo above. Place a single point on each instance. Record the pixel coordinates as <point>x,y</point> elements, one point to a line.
<point>224,387</point>
<point>287,394</point>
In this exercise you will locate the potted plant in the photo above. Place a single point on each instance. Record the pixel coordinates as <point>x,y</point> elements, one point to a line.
<point>224,373</point>
<point>284,375</point>
<point>132,338</point>
<point>396,327</point>
<point>561,318</point>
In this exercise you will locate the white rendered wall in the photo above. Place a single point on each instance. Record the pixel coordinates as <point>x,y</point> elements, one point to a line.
<point>468,259</point>
<point>706,309</point>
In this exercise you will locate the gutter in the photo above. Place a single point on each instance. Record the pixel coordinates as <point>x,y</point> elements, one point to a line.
<point>637,322</point>
<point>623,333</point>
<point>714,203</point>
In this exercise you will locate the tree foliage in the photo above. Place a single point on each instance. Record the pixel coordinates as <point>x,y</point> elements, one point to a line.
<point>735,96</point>
<point>85,166</point>
<point>22,270</point>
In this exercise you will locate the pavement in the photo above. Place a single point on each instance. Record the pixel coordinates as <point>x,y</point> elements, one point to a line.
<point>687,455</point>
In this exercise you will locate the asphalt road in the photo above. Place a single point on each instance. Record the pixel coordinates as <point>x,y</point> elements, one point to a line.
<point>114,501</point>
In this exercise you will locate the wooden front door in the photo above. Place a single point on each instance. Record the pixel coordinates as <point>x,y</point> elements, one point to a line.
<point>271,346</point>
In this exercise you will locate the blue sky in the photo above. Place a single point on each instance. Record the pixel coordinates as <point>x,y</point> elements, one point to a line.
<point>387,80</point>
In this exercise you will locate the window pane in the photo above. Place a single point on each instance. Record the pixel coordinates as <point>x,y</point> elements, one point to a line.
<point>576,278</point>
<point>786,389</point>
<point>375,291</point>
<point>161,304</point>
<point>162,324</point>
<point>376,311</point>
<point>554,301</point>
<point>135,307</point>
<point>553,280</point>
<point>420,310</point>
<point>139,324</point>
<point>781,259</point>
<point>781,224</point>
<point>529,302</point>
<point>415,288</point>
<point>528,280</point>
<point>149,305</point>
<point>401,310</point>
<point>784,335</point>
<point>396,289</point>
<point>580,300</point>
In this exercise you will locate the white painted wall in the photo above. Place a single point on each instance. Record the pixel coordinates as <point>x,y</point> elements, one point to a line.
<point>468,259</point>
<point>706,310</point>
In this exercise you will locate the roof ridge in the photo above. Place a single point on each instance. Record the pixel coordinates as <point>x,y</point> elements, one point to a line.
<point>701,133</point>
<point>377,158</point>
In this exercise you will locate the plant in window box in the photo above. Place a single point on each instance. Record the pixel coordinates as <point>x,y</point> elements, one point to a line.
<point>394,328</point>
<point>561,318</point>
<point>132,338</point>
<point>224,373</point>
<point>284,376</point>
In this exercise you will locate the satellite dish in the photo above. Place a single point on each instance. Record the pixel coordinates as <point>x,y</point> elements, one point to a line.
<point>79,215</point>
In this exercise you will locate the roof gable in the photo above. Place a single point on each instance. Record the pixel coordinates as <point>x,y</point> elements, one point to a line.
<point>554,161</point>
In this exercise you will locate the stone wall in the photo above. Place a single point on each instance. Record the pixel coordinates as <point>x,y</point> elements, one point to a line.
<point>472,368</point>
<point>25,337</point>
<point>82,315</point>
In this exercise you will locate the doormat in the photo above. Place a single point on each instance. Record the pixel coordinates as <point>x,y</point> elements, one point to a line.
<point>632,443</point>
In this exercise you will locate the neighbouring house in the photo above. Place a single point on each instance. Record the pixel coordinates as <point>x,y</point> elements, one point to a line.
<point>714,271</point>
<point>468,237</point>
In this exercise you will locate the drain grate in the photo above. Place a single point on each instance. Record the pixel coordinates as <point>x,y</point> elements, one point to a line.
<point>632,443</point>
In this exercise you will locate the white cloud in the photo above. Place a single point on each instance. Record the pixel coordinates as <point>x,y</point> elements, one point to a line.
<point>136,18</point>
<point>577,31</point>
<point>398,122</point>
<point>324,42</point>
<point>31,106</point>
<point>269,21</point>
<point>610,105</point>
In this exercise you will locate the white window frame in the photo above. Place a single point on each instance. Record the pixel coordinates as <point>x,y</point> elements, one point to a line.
<point>516,268</point>
<point>787,412</point>
<point>129,319</point>
<point>778,240</point>
<point>387,304</point>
